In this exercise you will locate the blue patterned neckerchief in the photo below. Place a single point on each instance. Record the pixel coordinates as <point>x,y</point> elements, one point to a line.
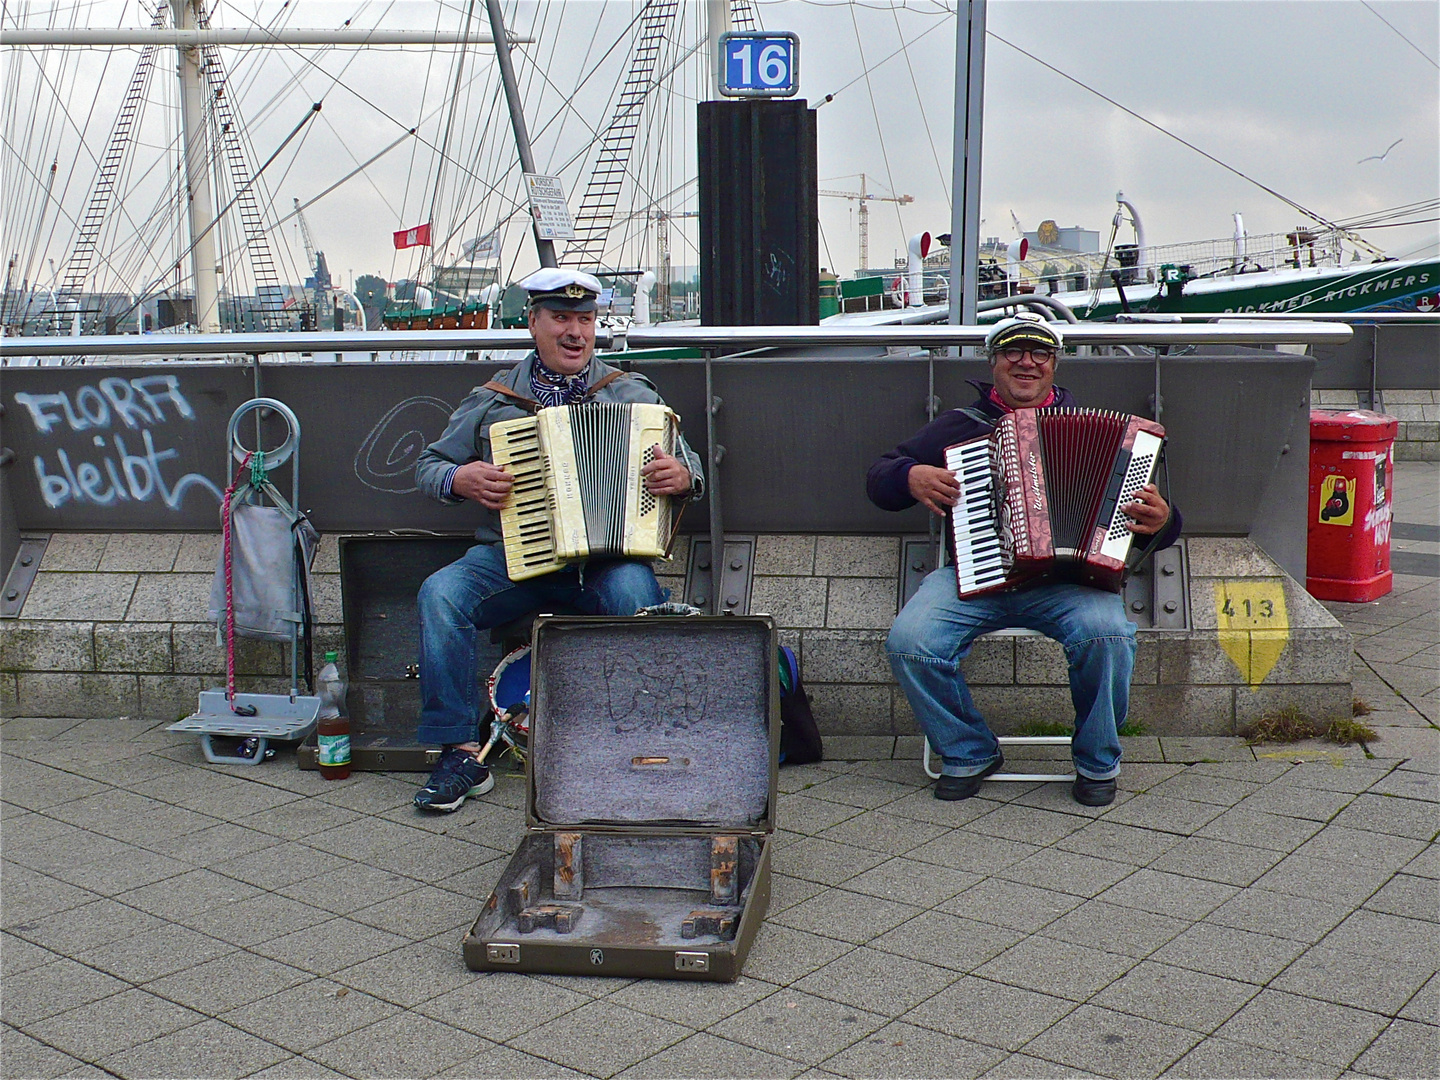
<point>551,388</point>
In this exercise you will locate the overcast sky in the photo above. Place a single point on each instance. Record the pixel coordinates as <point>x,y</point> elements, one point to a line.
<point>1293,94</point>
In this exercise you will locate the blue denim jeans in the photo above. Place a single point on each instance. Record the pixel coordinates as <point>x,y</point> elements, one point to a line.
<point>934,632</point>
<point>475,594</point>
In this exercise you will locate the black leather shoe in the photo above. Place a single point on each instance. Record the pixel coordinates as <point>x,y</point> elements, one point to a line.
<point>1089,792</point>
<point>952,788</point>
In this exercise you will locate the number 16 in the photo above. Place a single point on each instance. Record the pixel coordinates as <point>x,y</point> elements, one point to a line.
<point>772,66</point>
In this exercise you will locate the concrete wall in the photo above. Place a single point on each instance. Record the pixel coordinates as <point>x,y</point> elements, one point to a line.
<point>115,625</point>
<point>834,598</point>
<point>1418,437</point>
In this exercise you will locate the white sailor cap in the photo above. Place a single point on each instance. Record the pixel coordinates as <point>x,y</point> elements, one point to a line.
<point>562,289</point>
<point>1028,326</point>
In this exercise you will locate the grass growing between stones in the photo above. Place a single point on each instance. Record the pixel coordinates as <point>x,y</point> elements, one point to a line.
<point>1291,725</point>
<point>1347,732</point>
<point>1037,728</point>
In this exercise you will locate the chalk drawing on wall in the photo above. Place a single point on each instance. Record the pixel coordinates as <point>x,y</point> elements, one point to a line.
<point>386,458</point>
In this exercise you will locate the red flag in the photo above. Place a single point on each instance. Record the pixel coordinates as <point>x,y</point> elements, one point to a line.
<point>419,236</point>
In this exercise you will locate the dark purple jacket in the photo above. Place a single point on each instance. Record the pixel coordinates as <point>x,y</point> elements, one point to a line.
<point>888,481</point>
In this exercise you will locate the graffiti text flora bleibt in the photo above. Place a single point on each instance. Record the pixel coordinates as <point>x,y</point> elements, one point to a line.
<point>116,474</point>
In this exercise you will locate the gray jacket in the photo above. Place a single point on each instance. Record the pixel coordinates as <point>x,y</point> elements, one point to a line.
<point>467,436</point>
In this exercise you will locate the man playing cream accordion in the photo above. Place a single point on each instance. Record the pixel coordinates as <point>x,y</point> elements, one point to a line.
<point>476,593</point>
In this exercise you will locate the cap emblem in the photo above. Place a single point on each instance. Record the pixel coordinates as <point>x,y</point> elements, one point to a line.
<point>575,292</point>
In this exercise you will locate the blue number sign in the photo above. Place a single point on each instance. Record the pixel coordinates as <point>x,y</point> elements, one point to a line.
<point>760,64</point>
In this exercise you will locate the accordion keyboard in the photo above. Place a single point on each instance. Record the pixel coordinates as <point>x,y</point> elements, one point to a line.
<point>979,560</point>
<point>515,447</point>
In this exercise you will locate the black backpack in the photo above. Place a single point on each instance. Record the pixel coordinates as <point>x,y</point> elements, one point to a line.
<point>799,737</point>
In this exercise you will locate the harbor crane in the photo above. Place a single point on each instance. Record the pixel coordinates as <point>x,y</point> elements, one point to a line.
<point>865,198</point>
<point>315,261</point>
<point>662,253</point>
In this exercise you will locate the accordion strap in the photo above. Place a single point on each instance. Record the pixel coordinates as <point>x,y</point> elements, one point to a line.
<point>978,416</point>
<point>531,405</point>
<point>606,381</point>
<point>528,404</point>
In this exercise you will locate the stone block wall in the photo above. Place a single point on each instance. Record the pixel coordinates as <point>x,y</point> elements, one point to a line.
<point>834,598</point>
<point>1418,436</point>
<point>115,625</point>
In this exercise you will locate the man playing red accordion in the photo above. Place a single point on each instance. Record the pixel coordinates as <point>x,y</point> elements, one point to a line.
<point>933,634</point>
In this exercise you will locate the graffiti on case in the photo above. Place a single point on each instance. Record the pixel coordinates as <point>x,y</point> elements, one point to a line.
<point>120,472</point>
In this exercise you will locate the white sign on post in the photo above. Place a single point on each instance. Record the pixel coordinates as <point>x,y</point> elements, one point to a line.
<point>549,208</point>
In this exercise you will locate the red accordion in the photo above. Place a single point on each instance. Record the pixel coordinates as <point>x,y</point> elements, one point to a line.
<point>1041,496</point>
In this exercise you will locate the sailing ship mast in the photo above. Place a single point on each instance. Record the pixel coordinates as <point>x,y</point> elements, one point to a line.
<point>202,100</point>
<point>200,204</point>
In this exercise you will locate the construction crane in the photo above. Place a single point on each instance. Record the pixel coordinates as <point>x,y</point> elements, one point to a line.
<point>662,251</point>
<point>315,262</point>
<point>865,198</point>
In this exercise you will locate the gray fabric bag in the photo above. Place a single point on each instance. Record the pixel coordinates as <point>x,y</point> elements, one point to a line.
<point>265,542</point>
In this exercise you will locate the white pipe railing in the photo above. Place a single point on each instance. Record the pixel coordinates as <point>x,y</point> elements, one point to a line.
<point>719,338</point>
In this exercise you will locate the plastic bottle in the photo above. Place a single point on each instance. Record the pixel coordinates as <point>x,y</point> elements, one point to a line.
<point>333,728</point>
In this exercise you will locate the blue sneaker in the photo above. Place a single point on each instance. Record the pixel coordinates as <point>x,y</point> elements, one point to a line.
<point>456,777</point>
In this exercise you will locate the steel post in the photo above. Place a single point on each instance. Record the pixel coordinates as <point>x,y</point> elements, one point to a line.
<point>714,453</point>
<point>965,183</point>
<point>544,248</point>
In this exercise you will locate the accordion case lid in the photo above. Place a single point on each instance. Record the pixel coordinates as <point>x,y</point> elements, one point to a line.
<point>654,721</point>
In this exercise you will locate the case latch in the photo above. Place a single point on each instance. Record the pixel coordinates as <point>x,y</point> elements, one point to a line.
<point>499,953</point>
<point>687,961</point>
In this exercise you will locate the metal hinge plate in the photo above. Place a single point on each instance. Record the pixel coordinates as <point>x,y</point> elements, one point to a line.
<point>692,961</point>
<point>22,575</point>
<point>502,953</point>
<point>1171,584</point>
<point>917,559</point>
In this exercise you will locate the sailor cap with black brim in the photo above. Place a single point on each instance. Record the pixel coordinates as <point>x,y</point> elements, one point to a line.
<point>1026,327</point>
<point>562,290</point>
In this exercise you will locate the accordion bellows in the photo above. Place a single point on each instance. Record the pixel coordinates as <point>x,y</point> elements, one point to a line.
<point>578,491</point>
<point>1041,496</point>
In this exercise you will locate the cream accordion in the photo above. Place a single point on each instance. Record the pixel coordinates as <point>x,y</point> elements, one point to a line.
<point>578,491</point>
<point>1041,496</point>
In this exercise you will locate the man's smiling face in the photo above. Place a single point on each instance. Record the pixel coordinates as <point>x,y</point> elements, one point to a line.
<point>1022,378</point>
<point>565,340</point>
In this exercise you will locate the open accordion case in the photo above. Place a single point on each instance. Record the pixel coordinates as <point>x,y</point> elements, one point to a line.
<point>651,788</point>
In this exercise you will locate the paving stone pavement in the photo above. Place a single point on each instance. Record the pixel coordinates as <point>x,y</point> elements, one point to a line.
<point>1238,912</point>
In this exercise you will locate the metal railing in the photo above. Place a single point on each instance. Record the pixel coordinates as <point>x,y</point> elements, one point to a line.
<point>405,344</point>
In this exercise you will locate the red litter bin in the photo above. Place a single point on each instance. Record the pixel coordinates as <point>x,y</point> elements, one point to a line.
<point>1352,460</point>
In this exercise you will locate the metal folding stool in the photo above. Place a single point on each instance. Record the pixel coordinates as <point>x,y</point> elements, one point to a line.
<point>932,771</point>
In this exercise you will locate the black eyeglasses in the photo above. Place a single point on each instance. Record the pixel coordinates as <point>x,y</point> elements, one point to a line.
<point>1015,354</point>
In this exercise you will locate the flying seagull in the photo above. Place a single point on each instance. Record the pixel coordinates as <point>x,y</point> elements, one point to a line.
<point>1381,157</point>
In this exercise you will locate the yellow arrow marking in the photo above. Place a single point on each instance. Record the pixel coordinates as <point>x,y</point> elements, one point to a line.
<point>1253,626</point>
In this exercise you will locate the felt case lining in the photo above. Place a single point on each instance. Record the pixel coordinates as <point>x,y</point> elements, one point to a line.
<point>655,720</point>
